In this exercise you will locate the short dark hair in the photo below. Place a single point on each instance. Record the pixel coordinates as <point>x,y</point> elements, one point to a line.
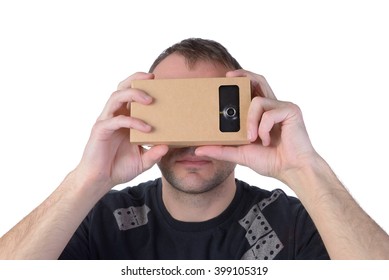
<point>194,49</point>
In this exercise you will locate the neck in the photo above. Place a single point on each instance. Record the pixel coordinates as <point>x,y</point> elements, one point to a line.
<point>193,207</point>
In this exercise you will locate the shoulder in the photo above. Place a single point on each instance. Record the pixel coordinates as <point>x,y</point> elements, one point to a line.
<point>273,204</point>
<point>264,197</point>
<point>136,194</point>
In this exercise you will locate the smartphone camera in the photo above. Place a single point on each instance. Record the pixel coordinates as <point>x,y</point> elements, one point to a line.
<point>229,120</point>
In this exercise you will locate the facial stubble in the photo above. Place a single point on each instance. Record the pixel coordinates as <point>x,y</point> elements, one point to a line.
<point>193,181</point>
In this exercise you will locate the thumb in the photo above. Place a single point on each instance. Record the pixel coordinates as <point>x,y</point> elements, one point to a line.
<point>153,155</point>
<point>225,153</point>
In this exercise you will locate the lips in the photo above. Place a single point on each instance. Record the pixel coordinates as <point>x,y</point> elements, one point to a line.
<point>193,161</point>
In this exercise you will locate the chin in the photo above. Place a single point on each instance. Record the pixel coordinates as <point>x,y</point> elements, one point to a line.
<point>196,182</point>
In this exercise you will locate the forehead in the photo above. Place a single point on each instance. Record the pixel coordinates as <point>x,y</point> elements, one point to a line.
<point>175,66</point>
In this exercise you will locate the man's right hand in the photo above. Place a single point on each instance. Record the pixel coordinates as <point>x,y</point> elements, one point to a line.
<point>109,157</point>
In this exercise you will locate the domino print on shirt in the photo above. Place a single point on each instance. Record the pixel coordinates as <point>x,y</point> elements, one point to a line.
<point>131,217</point>
<point>264,242</point>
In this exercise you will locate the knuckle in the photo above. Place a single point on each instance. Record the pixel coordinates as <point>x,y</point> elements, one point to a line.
<point>266,116</point>
<point>97,126</point>
<point>260,77</point>
<point>257,101</point>
<point>294,108</point>
<point>122,95</point>
<point>266,123</point>
<point>125,84</point>
<point>115,95</point>
<point>120,85</point>
<point>138,73</point>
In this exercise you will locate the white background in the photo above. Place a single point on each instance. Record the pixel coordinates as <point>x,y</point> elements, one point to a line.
<point>61,60</point>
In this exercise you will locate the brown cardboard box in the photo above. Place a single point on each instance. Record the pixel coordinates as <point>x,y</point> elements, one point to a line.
<point>186,112</point>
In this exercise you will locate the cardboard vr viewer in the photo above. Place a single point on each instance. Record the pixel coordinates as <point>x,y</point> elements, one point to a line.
<point>193,112</point>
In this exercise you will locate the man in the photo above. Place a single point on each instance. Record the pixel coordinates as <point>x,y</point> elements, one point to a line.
<point>198,209</point>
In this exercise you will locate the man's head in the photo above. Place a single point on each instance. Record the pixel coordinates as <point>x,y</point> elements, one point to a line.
<point>197,49</point>
<point>194,58</point>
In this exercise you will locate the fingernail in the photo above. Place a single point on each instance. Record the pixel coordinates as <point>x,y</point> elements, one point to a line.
<point>147,98</point>
<point>198,152</point>
<point>147,127</point>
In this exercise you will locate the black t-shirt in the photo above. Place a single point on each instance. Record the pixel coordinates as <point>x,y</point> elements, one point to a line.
<point>133,223</point>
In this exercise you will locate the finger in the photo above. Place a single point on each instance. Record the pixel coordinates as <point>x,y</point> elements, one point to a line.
<point>238,73</point>
<point>270,119</point>
<point>265,87</point>
<point>153,155</point>
<point>137,76</point>
<point>265,126</point>
<point>258,107</point>
<point>117,103</point>
<point>106,128</point>
<point>253,118</point>
<point>259,85</point>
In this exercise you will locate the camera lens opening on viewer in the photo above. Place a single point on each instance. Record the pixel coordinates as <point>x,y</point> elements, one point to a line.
<point>230,112</point>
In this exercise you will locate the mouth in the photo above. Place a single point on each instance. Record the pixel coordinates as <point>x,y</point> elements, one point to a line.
<point>193,161</point>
